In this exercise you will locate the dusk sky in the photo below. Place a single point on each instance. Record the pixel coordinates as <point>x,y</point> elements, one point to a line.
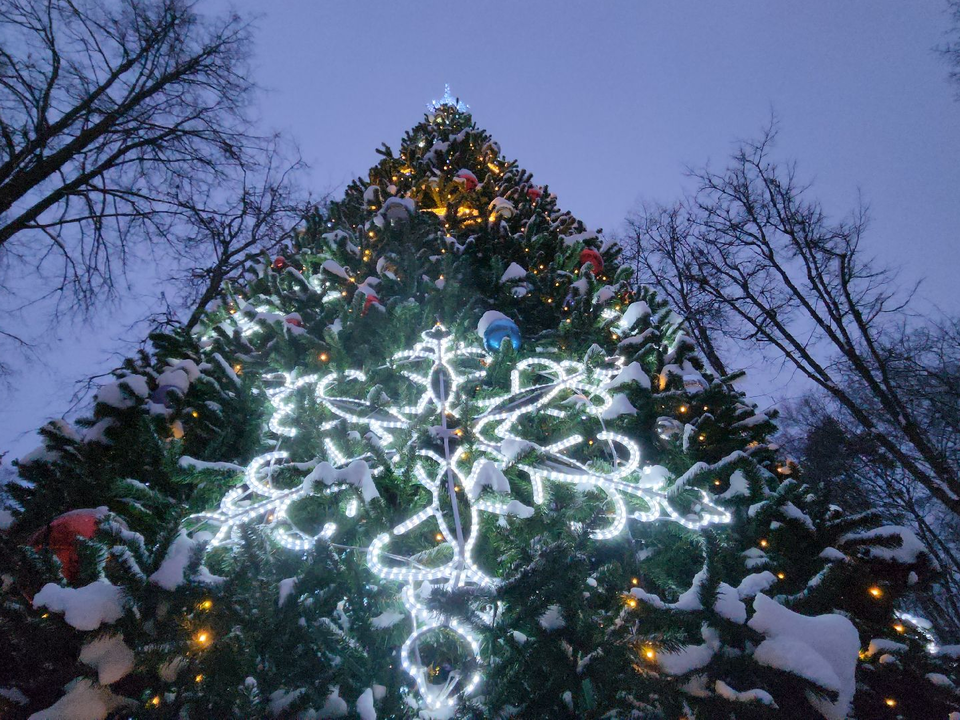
<point>607,103</point>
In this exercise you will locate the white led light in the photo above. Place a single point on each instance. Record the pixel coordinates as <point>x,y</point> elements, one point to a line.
<point>439,368</point>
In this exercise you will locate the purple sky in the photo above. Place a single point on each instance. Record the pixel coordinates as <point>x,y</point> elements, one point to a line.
<point>606,102</point>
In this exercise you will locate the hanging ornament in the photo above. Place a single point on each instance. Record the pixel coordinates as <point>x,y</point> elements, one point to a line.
<point>369,303</point>
<point>399,209</point>
<point>280,263</point>
<point>166,395</point>
<point>502,207</point>
<point>668,428</point>
<point>589,255</point>
<point>372,197</point>
<point>467,179</point>
<point>294,319</point>
<point>60,536</point>
<point>495,328</point>
<point>534,193</point>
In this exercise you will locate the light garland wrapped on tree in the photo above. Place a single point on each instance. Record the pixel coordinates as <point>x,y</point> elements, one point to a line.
<point>442,459</point>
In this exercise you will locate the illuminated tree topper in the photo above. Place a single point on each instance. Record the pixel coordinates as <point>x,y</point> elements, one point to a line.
<point>463,465</point>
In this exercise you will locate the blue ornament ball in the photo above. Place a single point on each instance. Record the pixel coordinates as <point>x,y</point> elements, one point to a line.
<point>499,331</point>
<point>166,395</point>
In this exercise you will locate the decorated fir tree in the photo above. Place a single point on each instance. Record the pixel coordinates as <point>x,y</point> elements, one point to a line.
<point>443,459</point>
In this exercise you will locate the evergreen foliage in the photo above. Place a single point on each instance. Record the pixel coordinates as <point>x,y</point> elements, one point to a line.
<point>749,619</point>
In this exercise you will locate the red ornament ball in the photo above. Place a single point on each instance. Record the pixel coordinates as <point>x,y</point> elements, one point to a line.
<point>280,263</point>
<point>468,179</point>
<point>534,193</point>
<point>369,302</point>
<point>60,536</point>
<point>294,320</point>
<point>589,255</point>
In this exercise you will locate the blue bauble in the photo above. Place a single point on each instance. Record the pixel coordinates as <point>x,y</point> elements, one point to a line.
<point>500,330</point>
<point>166,395</point>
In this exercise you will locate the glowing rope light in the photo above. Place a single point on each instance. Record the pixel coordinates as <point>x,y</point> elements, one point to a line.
<point>564,390</point>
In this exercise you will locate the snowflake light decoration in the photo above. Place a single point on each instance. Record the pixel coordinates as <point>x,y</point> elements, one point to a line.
<point>461,483</point>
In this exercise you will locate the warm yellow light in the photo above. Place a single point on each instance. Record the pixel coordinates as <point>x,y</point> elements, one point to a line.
<point>702,437</point>
<point>155,701</point>
<point>683,408</point>
<point>238,368</point>
<point>890,702</point>
<point>717,483</point>
<point>875,591</point>
<point>899,628</point>
<point>198,678</point>
<point>372,234</point>
<point>323,357</point>
<point>780,576</point>
<point>634,581</point>
<point>206,605</point>
<point>203,637</point>
<point>631,602</point>
<point>439,537</point>
<point>195,414</point>
<point>649,653</point>
<point>764,543</point>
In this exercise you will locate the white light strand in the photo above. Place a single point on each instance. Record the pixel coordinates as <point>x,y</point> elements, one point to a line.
<point>440,368</point>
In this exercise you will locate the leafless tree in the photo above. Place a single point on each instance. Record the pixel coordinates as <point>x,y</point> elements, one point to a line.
<point>260,215</point>
<point>951,50</point>
<point>798,285</point>
<point>115,117</point>
<point>848,466</point>
<point>659,249</point>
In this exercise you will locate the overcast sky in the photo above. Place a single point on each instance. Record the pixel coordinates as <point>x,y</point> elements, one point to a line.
<point>607,103</point>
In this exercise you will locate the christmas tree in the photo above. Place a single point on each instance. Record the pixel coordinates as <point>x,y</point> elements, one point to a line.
<point>444,459</point>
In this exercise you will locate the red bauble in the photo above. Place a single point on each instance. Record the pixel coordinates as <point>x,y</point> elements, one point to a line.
<point>60,536</point>
<point>534,193</point>
<point>589,255</point>
<point>293,320</point>
<point>468,179</point>
<point>369,302</point>
<point>280,263</point>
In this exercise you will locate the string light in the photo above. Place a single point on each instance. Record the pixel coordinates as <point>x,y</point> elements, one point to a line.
<point>876,591</point>
<point>890,702</point>
<point>203,638</point>
<point>440,367</point>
